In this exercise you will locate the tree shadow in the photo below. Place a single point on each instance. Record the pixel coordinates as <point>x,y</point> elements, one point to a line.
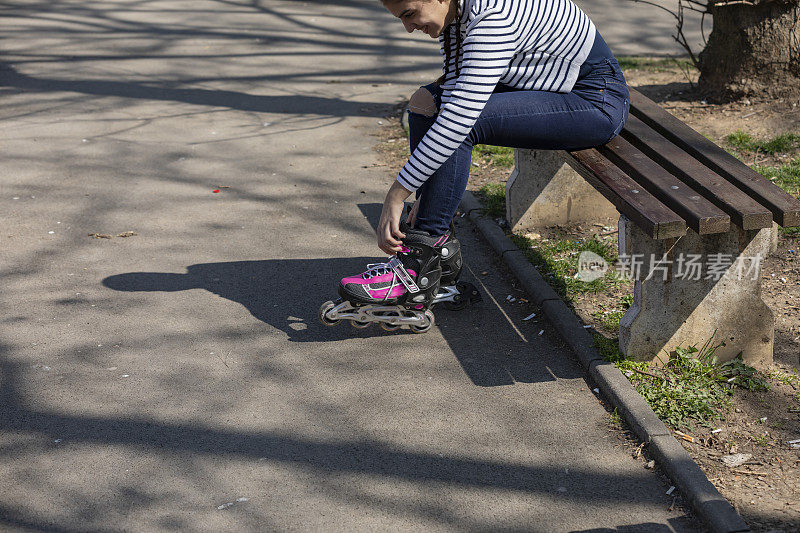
<point>330,462</point>
<point>670,92</point>
<point>337,32</point>
<point>291,104</point>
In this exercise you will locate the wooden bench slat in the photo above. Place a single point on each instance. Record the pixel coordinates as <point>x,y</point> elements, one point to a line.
<point>744,211</point>
<point>700,214</point>
<point>652,216</point>
<point>785,208</point>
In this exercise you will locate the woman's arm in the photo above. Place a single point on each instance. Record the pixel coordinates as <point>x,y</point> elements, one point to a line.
<point>488,48</point>
<point>389,234</point>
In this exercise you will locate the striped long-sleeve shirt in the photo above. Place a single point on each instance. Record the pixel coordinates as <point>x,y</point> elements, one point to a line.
<point>524,44</point>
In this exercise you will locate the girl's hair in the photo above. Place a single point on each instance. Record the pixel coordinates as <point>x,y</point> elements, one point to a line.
<point>449,52</point>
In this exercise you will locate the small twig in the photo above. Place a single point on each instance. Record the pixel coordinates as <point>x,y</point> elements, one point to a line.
<point>647,373</point>
<point>656,5</point>
<point>223,360</point>
<point>691,5</point>
<point>703,29</point>
<point>639,450</point>
<point>681,38</point>
<point>751,473</point>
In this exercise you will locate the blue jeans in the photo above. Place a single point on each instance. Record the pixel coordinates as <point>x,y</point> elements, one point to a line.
<point>590,115</point>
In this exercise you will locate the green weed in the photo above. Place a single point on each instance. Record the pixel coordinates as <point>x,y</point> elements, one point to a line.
<point>762,440</point>
<point>616,419</point>
<point>692,386</point>
<point>608,348</point>
<point>494,195</point>
<point>686,389</point>
<point>739,373</point>
<point>610,318</point>
<point>793,380</point>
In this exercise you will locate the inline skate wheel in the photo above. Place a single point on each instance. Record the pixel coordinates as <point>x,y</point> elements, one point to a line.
<point>359,325</point>
<point>389,327</point>
<point>427,326</point>
<point>323,312</point>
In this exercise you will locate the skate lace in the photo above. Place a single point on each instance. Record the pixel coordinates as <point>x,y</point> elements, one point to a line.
<point>376,269</point>
<point>379,269</point>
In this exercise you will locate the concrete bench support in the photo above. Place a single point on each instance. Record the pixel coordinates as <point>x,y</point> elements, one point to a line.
<point>678,305</point>
<point>544,191</point>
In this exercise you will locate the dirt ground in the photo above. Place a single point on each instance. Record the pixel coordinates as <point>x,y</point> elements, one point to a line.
<point>765,488</point>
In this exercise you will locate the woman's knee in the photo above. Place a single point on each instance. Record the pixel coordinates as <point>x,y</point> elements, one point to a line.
<point>423,103</point>
<point>427,100</point>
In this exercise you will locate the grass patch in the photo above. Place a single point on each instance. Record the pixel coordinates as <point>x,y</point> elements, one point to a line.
<point>793,380</point>
<point>616,419</point>
<point>787,176</point>
<point>557,261</point>
<point>609,318</point>
<point>607,348</point>
<point>498,156</point>
<point>784,143</point>
<point>692,387</point>
<point>494,196</point>
<point>654,64</point>
<point>762,440</point>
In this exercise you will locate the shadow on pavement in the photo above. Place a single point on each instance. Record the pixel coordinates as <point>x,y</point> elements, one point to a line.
<point>650,527</point>
<point>330,462</point>
<point>286,294</point>
<point>286,104</point>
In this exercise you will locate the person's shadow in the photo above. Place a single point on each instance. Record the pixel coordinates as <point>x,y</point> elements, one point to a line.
<point>287,294</point>
<point>284,293</point>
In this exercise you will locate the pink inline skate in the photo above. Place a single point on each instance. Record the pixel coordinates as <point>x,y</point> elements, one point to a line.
<point>400,292</point>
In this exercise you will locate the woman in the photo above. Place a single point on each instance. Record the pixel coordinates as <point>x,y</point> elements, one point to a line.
<point>517,73</point>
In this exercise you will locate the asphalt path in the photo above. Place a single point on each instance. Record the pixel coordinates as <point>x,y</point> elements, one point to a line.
<point>178,378</point>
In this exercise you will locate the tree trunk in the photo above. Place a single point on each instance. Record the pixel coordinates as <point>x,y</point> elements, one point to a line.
<point>753,50</point>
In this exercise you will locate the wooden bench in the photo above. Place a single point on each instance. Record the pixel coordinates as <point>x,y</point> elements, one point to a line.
<point>684,204</point>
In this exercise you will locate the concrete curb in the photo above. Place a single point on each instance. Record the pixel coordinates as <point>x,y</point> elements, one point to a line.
<point>687,476</point>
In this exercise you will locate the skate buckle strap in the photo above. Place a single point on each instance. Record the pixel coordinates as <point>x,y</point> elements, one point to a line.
<point>403,275</point>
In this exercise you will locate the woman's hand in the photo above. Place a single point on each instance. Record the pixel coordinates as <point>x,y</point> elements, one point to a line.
<point>389,234</point>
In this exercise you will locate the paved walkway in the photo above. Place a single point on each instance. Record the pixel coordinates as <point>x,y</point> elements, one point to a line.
<point>178,379</point>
